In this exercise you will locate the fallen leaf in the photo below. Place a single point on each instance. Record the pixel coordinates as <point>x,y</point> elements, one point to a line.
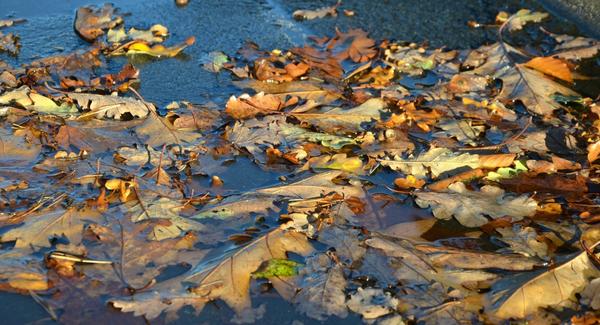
<point>593,151</point>
<point>339,120</point>
<point>469,207</point>
<point>522,17</point>
<point>39,229</point>
<point>409,182</point>
<point>228,280</point>
<point>114,107</point>
<point>551,66</point>
<point>317,13</point>
<point>91,22</point>
<point>372,303</point>
<point>323,286</point>
<point>158,50</point>
<point>10,43</point>
<point>555,287</point>
<point>245,107</point>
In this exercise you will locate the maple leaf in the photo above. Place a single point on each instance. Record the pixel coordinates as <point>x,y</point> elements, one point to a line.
<point>469,207</point>
<point>521,82</point>
<point>360,48</point>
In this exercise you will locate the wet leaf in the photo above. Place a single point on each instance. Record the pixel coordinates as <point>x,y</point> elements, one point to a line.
<point>556,287</point>
<point>315,14</point>
<point>323,288</point>
<point>245,107</point>
<point>158,50</point>
<point>278,268</point>
<point>339,120</point>
<point>92,22</point>
<point>228,279</point>
<point>114,107</point>
<point>470,208</point>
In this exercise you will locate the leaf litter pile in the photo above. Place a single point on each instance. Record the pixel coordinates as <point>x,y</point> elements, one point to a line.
<point>495,148</point>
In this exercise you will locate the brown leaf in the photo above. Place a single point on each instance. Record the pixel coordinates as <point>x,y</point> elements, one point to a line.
<point>549,183</point>
<point>245,107</point>
<point>92,22</point>
<point>593,151</point>
<point>464,176</point>
<point>361,48</point>
<point>496,161</point>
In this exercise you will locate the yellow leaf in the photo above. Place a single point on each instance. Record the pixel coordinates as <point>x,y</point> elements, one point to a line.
<point>29,281</point>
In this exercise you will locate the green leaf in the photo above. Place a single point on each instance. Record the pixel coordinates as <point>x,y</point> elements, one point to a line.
<point>278,267</point>
<point>507,172</point>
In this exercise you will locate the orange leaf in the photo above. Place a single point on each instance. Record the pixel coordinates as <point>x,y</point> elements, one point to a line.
<point>409,182</point>
<point>245,107</point>
<point>593,151</point>
<point>554,67</point>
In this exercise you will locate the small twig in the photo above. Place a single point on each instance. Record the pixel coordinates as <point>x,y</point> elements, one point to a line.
<point>44,305</point>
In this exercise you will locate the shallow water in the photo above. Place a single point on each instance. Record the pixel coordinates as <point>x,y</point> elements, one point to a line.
<point>224,26</point>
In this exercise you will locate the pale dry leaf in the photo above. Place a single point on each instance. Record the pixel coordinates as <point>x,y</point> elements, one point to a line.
<point>470,207</point>
<point>340,120</point>
<point>521,295</point>
<point>308,14</point>
<point>372,303</point>
<point>436,160</point>
<point>114,107</point>
<point>245,106</point>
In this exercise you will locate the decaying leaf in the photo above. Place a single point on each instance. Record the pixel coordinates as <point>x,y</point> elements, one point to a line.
<point>317,13</point>
<point>339,120</point>
<point>469,207</point>
<point>323,288</point>
<point>228,280</point>
<point>521,295</point>
<point>91,22</point>
<point>245,107</point>
<point>111,106</point>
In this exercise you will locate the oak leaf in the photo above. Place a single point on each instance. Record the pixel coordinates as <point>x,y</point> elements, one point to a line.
<point>469,207</point>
